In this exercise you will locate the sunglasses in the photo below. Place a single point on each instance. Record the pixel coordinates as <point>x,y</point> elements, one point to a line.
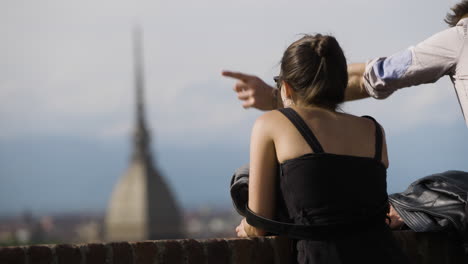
<point>277,80</point>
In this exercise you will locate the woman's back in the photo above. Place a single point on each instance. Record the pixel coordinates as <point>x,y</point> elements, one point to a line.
<point>342,193</point>
<point>338,133</point>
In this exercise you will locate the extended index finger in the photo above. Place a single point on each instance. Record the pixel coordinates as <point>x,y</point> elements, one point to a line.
<point>237,75</point>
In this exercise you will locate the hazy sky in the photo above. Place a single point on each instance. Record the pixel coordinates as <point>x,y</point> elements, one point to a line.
<point>66,109</point>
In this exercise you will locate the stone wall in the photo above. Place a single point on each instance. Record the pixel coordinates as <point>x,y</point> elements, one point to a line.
<point>421,248</point>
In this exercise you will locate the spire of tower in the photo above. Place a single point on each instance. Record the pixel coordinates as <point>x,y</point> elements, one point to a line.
<point>142,205</point>
<point>141,136</point>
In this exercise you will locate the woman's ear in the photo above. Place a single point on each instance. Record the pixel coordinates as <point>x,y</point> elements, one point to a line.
<point>288,91</point>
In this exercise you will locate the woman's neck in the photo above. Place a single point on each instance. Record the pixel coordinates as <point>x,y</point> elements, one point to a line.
<point>310,107</point>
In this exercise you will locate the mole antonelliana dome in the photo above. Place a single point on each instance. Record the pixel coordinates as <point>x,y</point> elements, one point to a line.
<point>142,206</point>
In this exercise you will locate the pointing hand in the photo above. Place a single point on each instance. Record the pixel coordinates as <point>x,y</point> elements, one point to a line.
<point>253,91</point>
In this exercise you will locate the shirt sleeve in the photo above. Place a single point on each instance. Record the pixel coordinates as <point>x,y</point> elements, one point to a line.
<point>424,63</point>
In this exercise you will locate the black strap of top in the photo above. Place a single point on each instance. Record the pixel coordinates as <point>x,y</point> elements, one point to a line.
<point>303,128</point>
<point>378,139</point>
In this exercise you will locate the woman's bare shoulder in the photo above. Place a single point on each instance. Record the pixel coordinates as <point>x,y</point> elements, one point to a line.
<point>361,121</point>
<point>269,121</point>
<point>270,117</point>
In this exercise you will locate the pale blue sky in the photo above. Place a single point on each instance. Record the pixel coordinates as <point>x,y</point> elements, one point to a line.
<point>66,91</point>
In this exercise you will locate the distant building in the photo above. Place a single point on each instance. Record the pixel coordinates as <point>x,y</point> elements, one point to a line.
<point>142,205</point>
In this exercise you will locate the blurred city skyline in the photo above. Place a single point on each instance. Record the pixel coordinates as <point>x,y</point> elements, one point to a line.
<point>66,86</point>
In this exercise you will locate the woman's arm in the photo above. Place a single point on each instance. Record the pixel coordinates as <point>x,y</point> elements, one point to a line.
<point>385,160</point>
<point>263,171</point>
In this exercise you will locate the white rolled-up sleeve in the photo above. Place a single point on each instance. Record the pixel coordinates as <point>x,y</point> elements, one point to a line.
<point>424,63</point>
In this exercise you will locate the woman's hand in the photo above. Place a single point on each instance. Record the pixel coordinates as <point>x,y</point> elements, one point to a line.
<point>240,229</point>
<point>396,221</point>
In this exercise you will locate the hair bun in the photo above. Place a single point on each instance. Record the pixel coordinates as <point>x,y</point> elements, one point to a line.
<point>323,46</point>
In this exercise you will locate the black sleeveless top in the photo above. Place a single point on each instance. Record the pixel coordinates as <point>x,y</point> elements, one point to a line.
<point>347,195</point>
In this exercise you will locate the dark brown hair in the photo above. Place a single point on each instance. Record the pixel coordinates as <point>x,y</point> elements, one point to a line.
<point>459,10</point>
<point>315,67</point>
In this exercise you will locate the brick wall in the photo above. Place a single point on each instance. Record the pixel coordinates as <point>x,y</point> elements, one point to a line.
<point>421,248</point>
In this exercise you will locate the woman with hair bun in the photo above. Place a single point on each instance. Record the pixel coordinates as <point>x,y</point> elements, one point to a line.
<point>333,165</point>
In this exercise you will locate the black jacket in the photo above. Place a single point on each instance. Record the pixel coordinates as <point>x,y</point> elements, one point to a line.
<point>240,195</point>
<point>435,203</point>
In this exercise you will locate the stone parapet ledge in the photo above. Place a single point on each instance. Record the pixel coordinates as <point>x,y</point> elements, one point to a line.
<point>420,247</point>
<point>431,248</point>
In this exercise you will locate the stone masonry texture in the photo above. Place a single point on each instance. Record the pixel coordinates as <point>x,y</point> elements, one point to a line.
<point>427,248</point>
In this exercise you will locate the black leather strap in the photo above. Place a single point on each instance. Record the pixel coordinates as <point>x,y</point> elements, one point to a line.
<point>378,139</point>
<point>317,232</point>
<point>303,128</point>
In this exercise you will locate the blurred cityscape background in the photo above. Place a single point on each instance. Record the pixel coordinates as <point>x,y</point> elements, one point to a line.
<point>67,111</point>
